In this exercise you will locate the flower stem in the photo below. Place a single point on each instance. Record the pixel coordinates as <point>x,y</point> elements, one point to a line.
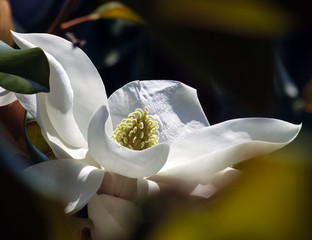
<point>76,21</point>
<point>63,14</point>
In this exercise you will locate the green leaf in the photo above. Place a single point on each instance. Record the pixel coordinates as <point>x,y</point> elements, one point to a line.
<point>24,71</point>
<point>108,10</point>
<point>107,6</point>
<point>116,10</point>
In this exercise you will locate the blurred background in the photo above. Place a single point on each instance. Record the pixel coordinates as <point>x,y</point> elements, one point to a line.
<point>246,58</point>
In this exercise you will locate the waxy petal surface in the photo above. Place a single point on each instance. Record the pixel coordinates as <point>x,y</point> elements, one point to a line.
<point>116,158</point>
<point>58,103</point>
<point>146,189</point>
<point>29,102</point>
<point>73,182</point>
<point>173,104</point>
<point>113,217</point>
<point>209,150</point>
<point>88,89</point>
<point>216,183</point>
<point>60,148</point>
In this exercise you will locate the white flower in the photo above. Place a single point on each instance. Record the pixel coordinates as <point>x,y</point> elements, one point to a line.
<point>78,121</point>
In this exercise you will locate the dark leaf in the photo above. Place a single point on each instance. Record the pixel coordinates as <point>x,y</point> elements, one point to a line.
<point>24,71</point>
<point>109,10</point>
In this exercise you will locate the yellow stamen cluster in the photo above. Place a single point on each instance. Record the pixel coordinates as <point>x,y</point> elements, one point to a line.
<point>139,131</point>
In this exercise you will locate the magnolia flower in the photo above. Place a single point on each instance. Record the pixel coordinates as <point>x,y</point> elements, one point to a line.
<point>113,152</point>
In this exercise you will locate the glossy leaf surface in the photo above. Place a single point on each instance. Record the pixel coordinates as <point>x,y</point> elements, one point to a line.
<point>23,71</point>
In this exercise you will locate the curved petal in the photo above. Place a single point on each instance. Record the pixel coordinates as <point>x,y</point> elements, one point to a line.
<point>58,103</point>
<point>116,158</point>
<point>146,189</point>
<point>88,159</point>
<point>173,104</point>
<point>216,182</point>
<point>6,97</point>
<point>29,102</point>
<point>209,150</point>
<point>60,147</point>
<point>86,83</point>
<point>119,186</point>
<point>73,182</point>
<point>113,218</point>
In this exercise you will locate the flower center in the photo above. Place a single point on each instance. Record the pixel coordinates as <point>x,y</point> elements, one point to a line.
<point>139,131</point>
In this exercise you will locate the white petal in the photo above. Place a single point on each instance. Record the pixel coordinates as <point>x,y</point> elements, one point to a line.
<point>6,97</point>
<point>59,106</point>
<point>58,103</point>
<point>146,189</point>
<point>116,158</point>
<point>73,182</point>
<point>35,104</point>
<point>209,150</point>
<point>119,186</point>
<point>29,102</point>
<point>87,85</point>
<point>225,177</point>
<point>215,183</point>
<point>88,159</point>
<point>60,147</point>
<point>112,217</point>
<point>204,190</point>
<point>174,105</point>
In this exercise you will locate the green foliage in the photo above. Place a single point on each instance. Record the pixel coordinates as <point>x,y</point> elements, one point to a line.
<point>109,10</point>
<point>116,10</point>
<point>106,6</point>
<point>24,71</point>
